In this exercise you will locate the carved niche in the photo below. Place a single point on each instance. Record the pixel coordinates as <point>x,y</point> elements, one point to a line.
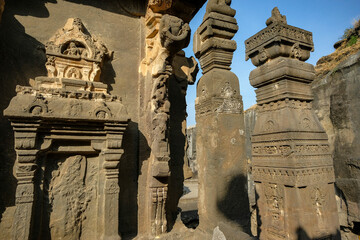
<point>73,54</point>
<point>68,140</point>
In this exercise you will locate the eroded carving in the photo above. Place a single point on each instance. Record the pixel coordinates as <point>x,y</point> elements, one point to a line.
<point>160,5</point>
<point>68,198</point>
<point>276,17</point>
<point>158,216</point>
<point>274,41</point>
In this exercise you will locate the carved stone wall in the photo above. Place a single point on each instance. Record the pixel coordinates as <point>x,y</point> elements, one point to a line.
<point>58,124</point>
<point>291,160</point>
<point>220,142</point>
<point>26,27</point>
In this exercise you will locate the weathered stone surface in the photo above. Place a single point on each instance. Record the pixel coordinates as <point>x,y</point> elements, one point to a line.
<point>73,53</point>
<point>220,140</point>
<point>291,160</point>
<point>336,104</point>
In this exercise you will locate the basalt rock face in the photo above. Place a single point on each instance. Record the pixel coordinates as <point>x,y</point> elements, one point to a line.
<point>336,104</point>
<point>220,141</point>
<point>292,165</point>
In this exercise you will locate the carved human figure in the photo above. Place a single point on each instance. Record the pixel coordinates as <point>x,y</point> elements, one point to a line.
<point>73,50</point>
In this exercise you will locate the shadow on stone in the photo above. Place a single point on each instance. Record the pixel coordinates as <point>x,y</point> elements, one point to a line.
<point>177,147</point>
<point>23,58</point>
<point>134,8</point>
<point>108,74</point>
<point>258,217</point>
<point>129,172</point>
<point>302,235</point>
<point>235,205</point>
<point>190,219</point>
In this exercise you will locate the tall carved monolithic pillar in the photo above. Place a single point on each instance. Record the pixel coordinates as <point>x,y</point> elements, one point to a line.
<point>223,200</point>
<point>292,164</point>
<point>164,65</point>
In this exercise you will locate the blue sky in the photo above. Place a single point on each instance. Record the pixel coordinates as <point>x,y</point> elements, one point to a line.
<point>326,19</point>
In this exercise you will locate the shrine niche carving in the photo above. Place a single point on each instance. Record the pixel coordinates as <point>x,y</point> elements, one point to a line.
<point>72,53</point>
<point>68,140</point>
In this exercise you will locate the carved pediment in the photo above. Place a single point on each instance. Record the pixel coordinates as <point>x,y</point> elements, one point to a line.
<point>73,53</point>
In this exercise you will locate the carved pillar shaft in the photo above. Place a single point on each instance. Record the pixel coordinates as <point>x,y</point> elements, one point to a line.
<point>165,36</point>
<point>220,141</point>
<point>25,170</point>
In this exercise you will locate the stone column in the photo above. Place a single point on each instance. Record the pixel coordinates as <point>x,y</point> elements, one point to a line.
<point>292,164</point>
<point>220,143</point>
<point>25,170</point>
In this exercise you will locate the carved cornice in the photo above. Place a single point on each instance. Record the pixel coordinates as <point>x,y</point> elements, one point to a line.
<point>65,105</point>
<point>279,39</point>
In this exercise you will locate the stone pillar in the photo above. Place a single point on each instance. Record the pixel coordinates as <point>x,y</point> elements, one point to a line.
<point>291,160</point>
<point>25,170</point>
<point>166,35</point>
<point>220,143</point>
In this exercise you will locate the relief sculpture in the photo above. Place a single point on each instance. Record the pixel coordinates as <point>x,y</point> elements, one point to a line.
<point>68,198</point>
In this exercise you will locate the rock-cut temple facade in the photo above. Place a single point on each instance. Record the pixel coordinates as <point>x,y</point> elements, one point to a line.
<point>93,139</point>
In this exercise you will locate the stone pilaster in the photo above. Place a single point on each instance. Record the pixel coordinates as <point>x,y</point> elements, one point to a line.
<point>223,202</point>
<point>25,170</point>
<point>291,160</point>
<point>109,182</point>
